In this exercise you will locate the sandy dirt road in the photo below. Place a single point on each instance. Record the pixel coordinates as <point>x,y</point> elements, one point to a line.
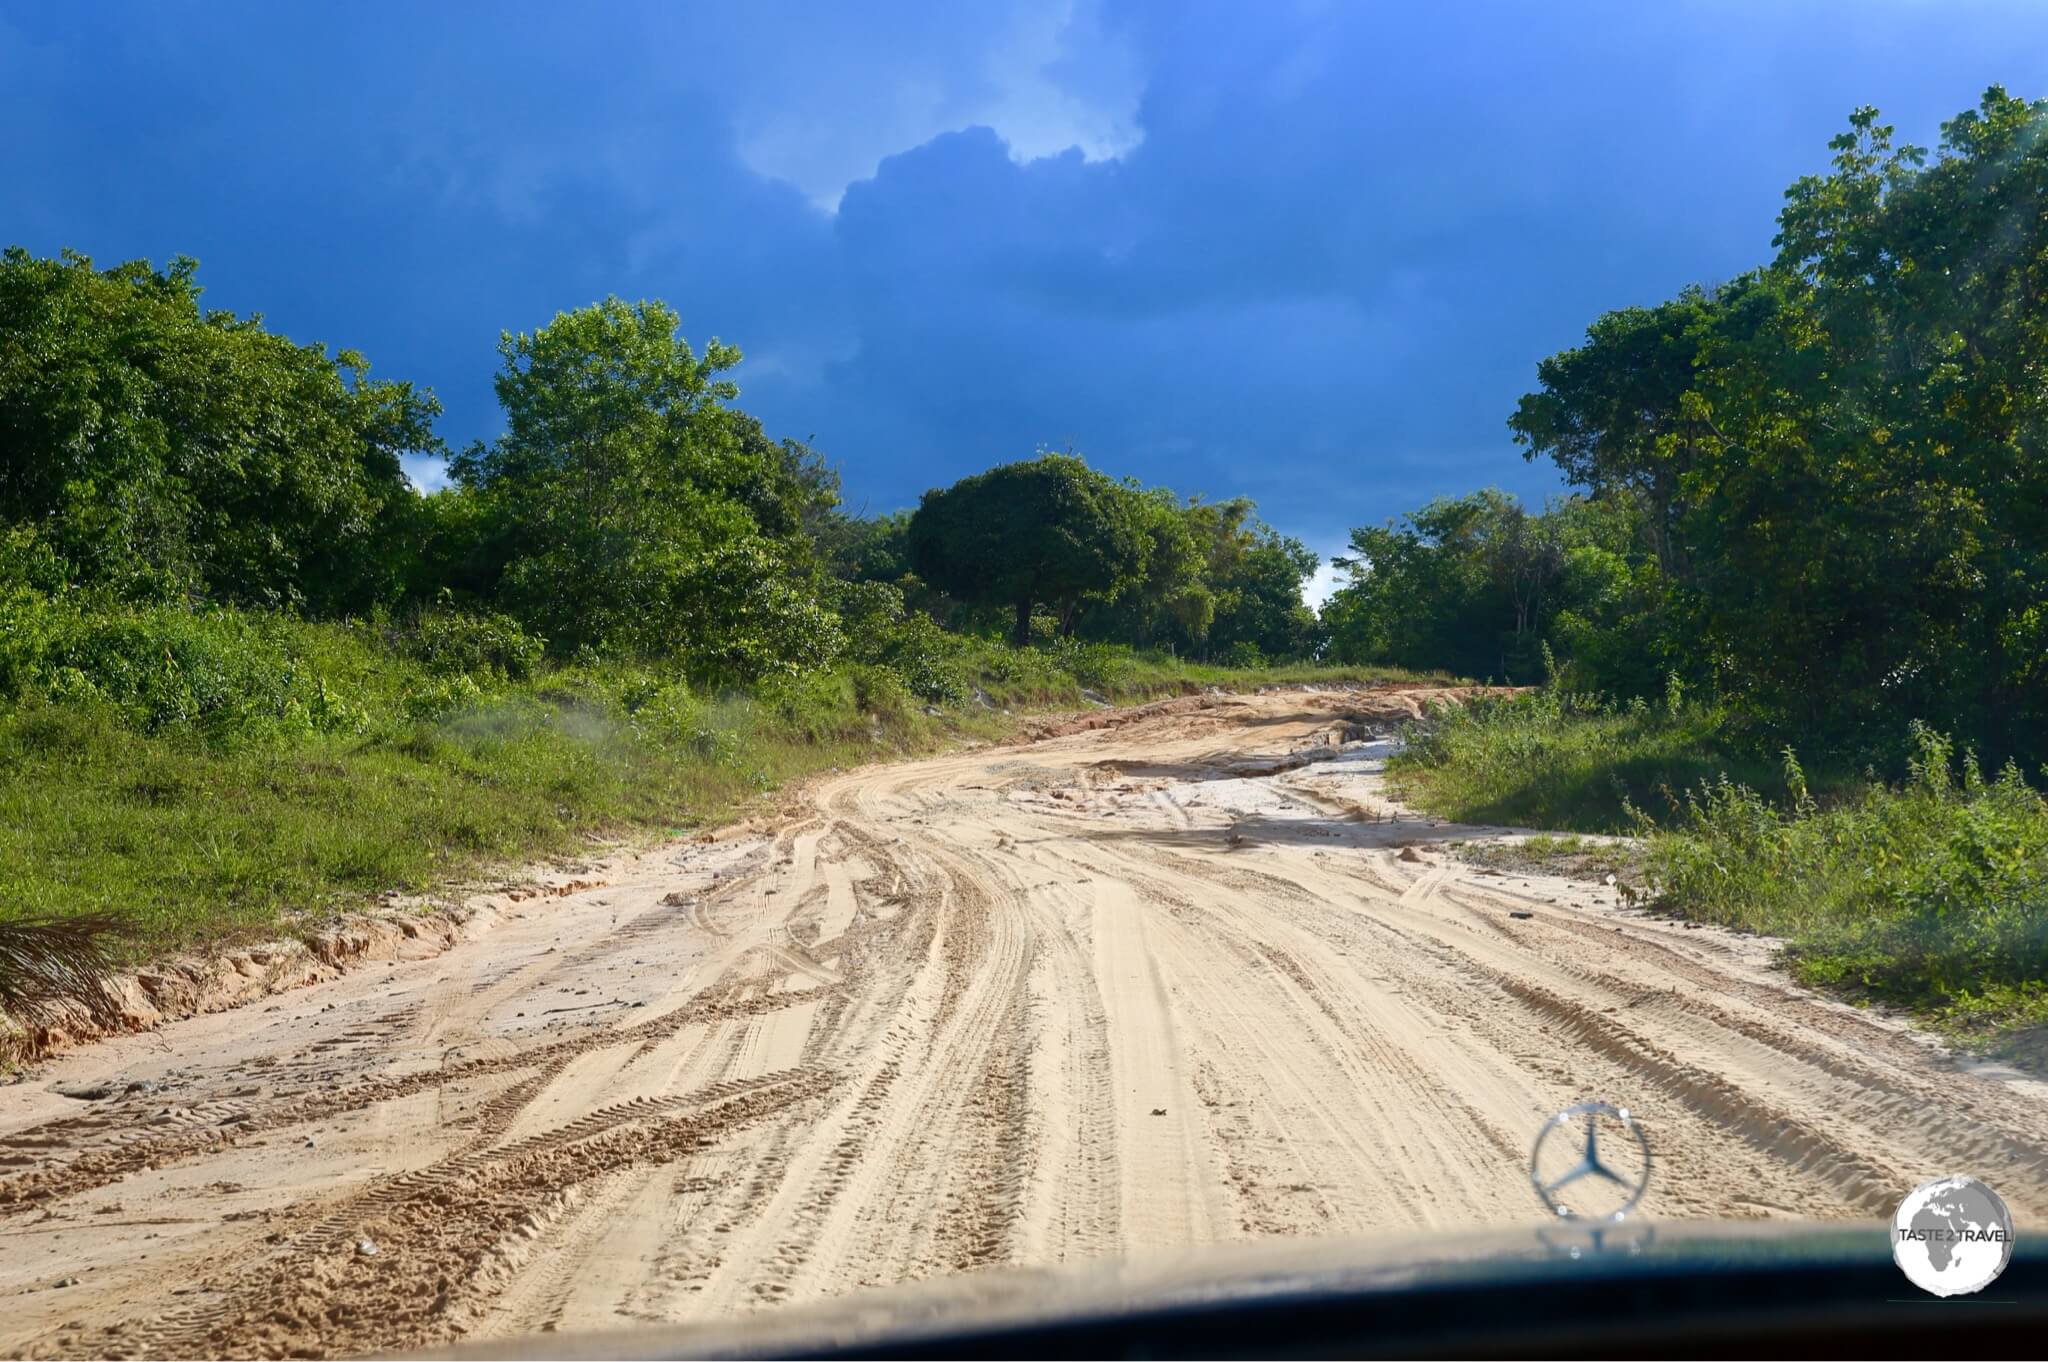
<point>1019,1005</point>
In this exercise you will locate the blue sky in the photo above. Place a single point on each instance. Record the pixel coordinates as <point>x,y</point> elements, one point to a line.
<point>1308,252</point>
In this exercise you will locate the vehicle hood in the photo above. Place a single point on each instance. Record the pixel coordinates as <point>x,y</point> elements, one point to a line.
<point>982,1301</point>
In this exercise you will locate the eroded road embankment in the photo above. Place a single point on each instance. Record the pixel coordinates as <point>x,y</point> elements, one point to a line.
<point>1175,979</point>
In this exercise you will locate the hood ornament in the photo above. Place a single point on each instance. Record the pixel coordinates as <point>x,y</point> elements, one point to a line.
<point>1591,1173</point>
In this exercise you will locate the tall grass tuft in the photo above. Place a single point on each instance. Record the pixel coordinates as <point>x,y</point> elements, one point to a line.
<point>1571,762</point>
<point>51,964</point>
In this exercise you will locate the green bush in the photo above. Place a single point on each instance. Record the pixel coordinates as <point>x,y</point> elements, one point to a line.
<point>814,707</point>
<point>1015,676</point>
<point>665,712</point>
<point>28,565</point>
<point>737,616</point>
<point>479,643</point>
<point>1241,654</point>
<point>867,611</point>
<point>219,671</point>
<point>1026,667</point>
<point>1098,666</point>
<point>1933,894</point>
<point>880,632</point>
<point>1575,763</point>
<point>881,691</point>
<point>441,696</point>
<point>928,659</point>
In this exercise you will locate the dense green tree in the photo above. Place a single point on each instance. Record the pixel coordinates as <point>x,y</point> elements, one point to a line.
<point>873,549</point>
<point>1197,563</point>
<point>1476,585</point>
<point>1218,581</point>
<point>1048,530</point>
<point>1841,454</point>
<point>1425,592</point>
<point>1215,579</point>
<point>1610,414</point>
<point>1926,335</point>
<point>792,492</point>
<point>155,451</point>
<point>1608,611</point>
<point>1258,597</point>
<point>168,451</point>
<point>627,506</point>
<point>1168,601</point>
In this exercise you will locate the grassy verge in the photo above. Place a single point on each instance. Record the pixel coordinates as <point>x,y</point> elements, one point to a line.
<point>194,842</point>
<point>209,779</point>
<point>1930,894</point>
<point>1069,675</point>
<point>1569,764</point>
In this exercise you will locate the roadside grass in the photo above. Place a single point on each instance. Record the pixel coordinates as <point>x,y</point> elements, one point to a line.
<point>1569,763</point>
<point>190,842</point>
<point>1930,894</point>
<point>211,778</point>
<point>1057,676</point>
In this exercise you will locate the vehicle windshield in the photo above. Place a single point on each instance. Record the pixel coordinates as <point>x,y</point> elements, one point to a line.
<point>660,666</point>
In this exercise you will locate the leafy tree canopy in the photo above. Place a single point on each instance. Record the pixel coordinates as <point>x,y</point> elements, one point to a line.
<point>1048,530</point>
<point>1835,461</point>
<point>167,451</point>
<point>627,506</point>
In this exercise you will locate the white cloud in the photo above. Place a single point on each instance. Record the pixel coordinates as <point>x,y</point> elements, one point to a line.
<point>1324,583</point>
<point>427,472</point>
<point>827,111</point>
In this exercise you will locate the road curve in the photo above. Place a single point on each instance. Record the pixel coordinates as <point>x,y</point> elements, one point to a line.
<point>1177,976</point>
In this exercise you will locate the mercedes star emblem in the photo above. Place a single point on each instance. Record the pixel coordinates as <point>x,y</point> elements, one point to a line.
<point>1625,1187</point>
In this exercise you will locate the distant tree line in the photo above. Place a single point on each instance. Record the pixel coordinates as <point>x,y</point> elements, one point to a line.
<point>1818,489</point>
<point>1109,561</point>
<point>153,451</point>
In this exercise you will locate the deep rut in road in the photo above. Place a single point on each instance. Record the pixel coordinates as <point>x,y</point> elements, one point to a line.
<point>1148,981</point>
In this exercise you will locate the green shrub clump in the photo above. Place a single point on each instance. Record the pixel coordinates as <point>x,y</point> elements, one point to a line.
<point>1577,763</point>
<point>480,643</point>
<point>1932,894</point>
<point>221,671</point>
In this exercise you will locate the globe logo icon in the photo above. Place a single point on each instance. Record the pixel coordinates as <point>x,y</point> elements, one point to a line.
<point>1952,1236</point>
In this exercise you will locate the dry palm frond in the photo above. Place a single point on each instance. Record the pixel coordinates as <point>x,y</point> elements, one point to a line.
<point>49,964</point>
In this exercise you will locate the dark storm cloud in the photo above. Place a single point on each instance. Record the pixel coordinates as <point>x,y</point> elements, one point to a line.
<point>1311,253</point>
